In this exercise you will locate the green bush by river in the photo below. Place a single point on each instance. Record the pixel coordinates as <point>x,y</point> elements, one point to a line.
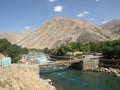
<point>12,50</point>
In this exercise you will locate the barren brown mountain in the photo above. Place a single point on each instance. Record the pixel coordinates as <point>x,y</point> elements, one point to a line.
<point>113,26</point>
<point>14,38</point>
<point>61,29</point>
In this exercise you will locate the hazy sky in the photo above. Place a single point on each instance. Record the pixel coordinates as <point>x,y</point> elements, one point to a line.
<point>20,15</point>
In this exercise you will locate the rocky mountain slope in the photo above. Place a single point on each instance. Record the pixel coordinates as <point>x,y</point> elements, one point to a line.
<point>14,38</point>
<point>113,26</point>
<point>61,29</point>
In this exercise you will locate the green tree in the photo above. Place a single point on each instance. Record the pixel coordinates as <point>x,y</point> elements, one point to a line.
<point>46,50</point>
<point>84,48</point>
<point>14,52</point>
<point>108,52</point>
<point>61,51</point>
<point>4,44</point>
<point>75,46</point>
<point>95,47</point>
<point>24,51</point>
<point>116,52</point>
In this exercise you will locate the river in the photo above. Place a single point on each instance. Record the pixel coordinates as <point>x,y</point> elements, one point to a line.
<point>81,80</point>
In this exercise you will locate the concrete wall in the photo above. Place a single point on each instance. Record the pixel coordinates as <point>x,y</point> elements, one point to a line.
<point>90,62</point>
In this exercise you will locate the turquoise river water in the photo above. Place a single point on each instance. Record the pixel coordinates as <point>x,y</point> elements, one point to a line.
<point>81,80</point>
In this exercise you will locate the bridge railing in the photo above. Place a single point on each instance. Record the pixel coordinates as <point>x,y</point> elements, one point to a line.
<point>57,63</point>
<point>62,57</point>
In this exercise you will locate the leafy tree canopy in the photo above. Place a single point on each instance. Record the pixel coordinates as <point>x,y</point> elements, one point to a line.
<point>13,51</point>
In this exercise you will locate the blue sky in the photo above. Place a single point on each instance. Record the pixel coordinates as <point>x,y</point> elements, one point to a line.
<point>21,15</point>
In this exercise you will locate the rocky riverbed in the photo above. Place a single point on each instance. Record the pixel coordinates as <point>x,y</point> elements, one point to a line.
<point>116,72</point>
<point>16,78</point>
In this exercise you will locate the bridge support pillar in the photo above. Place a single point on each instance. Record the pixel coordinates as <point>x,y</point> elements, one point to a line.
<point>90,62</point>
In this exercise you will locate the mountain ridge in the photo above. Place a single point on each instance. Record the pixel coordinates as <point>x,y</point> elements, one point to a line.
<point>113,26</point>
<point>14,38</point>
<point>61,29</point>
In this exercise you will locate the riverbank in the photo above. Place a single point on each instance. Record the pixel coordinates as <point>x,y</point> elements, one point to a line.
<point>116,72</point>
<point>16,78</point>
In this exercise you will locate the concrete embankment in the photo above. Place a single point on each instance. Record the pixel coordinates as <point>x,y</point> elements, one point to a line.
<point>18,77</point>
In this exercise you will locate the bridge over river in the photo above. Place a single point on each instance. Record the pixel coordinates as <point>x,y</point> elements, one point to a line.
<point>85,63</point>
<point>60,63</point>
